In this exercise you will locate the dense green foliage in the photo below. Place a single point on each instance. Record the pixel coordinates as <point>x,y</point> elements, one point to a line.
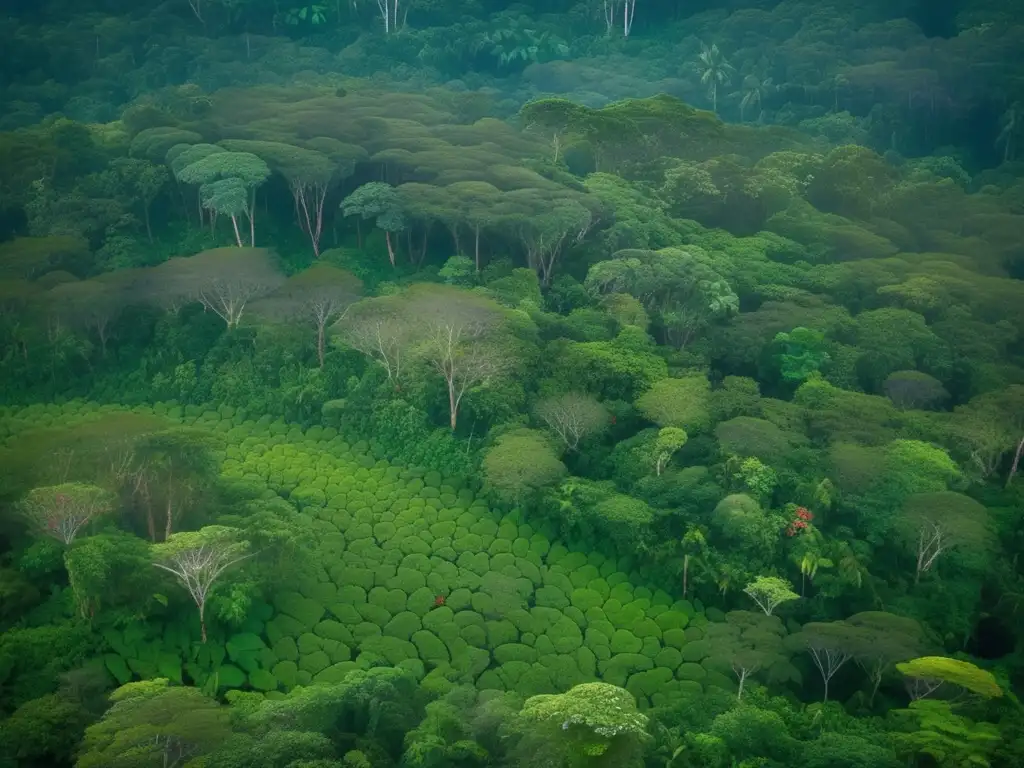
<point>427,383</point>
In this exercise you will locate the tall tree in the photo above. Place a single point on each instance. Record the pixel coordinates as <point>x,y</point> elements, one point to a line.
<point>376,328</point>
<point>61,511</point>
<point>888,639</point>
<point>380,202</point>
<point>546,225</point>
<point>227,184</point>
<point>934,523</point>
<point>223,280</point>
<point>319,295</point>
<point>310,175</point>
<point>197,559</point>
<point>572,416</point>
<point>714,70</point>
<point>747,643</point>
<point>830,645</point>
<point>169,471</point>
<point>460,337</point>
<point>92,305</point>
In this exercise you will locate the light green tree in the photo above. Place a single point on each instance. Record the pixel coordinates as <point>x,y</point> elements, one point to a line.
<point>520,463</point>
<point>929,673</point>
<point>769,592</point>
<point>592,724</point>
<point>197,559</point>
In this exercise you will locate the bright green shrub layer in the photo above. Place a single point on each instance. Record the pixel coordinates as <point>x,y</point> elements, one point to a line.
<point>393,540</point>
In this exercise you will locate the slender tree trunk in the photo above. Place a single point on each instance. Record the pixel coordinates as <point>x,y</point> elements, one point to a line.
<point>686,573</point>
<point>391,250</point>
<point>145,218</point>
<point>202,619</point>
<point>743,681</point>
<point>877,681</point>
<point>476,247</point>
<point>453,406</point>
<point>1016,462</point>
<point>238,235</point>
<point>320,343</point>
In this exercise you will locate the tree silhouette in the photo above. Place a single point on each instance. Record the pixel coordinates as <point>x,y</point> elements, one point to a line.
<point>753,92</point>
<point>714,70</point>
<point>1011,131</point>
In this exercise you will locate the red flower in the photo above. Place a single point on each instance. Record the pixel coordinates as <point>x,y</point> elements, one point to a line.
<point>439,601</point>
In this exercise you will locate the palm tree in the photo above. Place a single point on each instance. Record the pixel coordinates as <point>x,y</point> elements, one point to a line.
<point>1012,123</point>
<point>714,70</point>
<point>753,93</point>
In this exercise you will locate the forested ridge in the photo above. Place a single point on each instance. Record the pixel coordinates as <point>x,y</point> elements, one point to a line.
<point>423,383</point>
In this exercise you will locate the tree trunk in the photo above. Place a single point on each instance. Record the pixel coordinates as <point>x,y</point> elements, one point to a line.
<point>743,680</point>
<point>145,218</point>
<point>238,235</point>
<point>320,343</point>
<point>877,681</point>
<point>202,619</point>
<point>169,523</point>
<point>391,250</point>
<point>1016,462</point>
<point>686,573</point>
<point>476,247</point>
<point>453,406</point>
